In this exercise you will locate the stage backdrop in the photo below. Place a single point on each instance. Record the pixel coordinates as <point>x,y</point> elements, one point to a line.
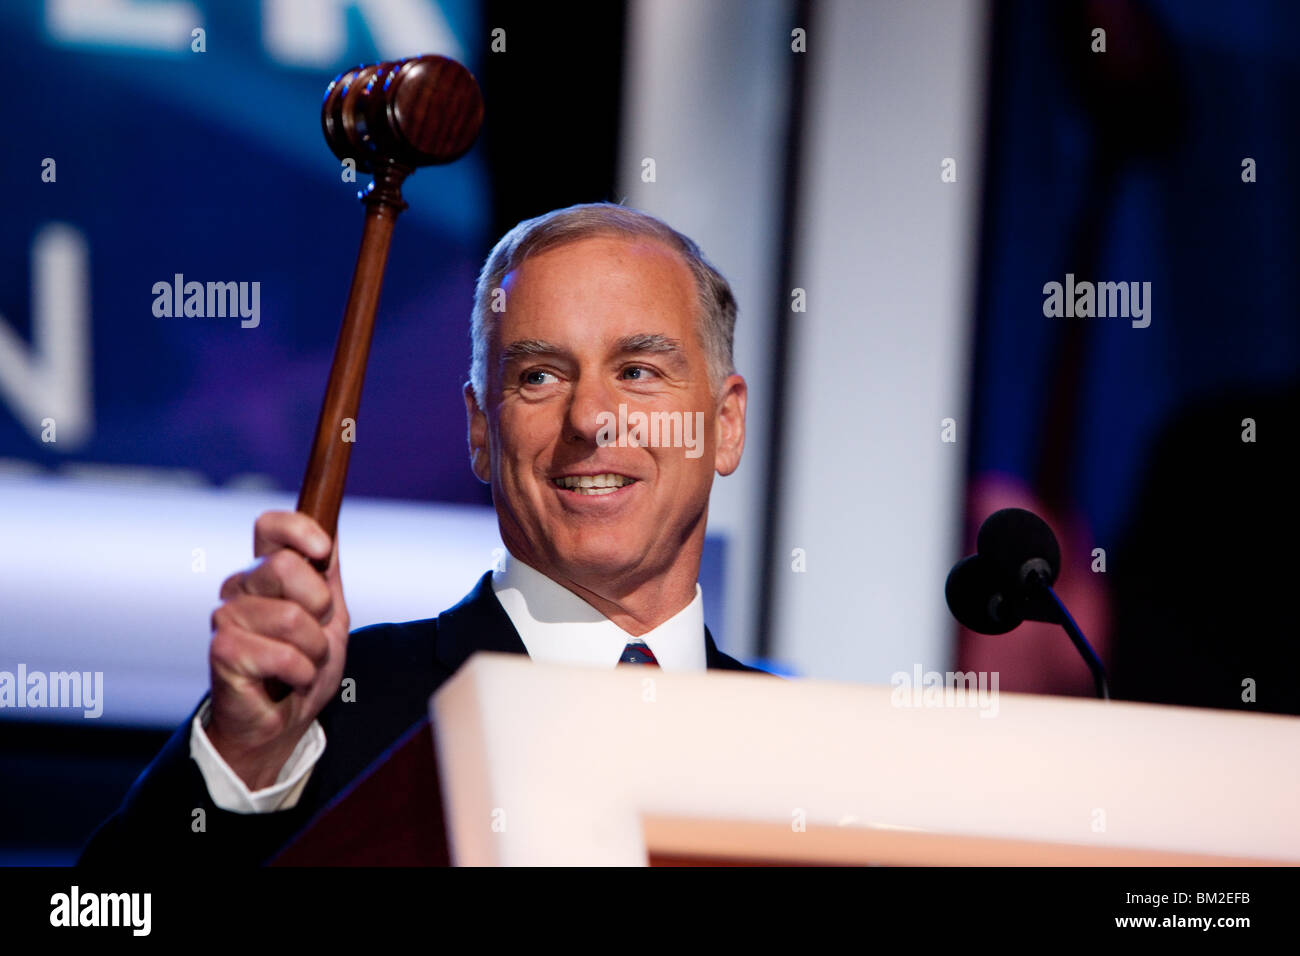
<point>169,143</point>
<point>142,427</point>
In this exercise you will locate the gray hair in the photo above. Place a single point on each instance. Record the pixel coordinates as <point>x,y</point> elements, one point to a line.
<point>716,322</point>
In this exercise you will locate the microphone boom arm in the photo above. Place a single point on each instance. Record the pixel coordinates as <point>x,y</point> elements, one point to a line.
<point>1051,609</point>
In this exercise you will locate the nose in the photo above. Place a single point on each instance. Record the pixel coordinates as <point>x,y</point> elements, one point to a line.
<point>589,397</point>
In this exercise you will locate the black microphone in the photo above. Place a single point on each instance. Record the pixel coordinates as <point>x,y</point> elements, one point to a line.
<point>1009,580</point>
<point>1017,543</point>
<point>977,600</point>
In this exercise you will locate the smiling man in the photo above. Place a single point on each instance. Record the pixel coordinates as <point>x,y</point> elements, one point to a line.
<point>580,314</point>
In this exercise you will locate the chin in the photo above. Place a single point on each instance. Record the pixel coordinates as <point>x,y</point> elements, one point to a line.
<point>594,561</point>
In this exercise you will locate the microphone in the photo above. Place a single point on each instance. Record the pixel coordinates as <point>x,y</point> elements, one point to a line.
<point>1009,580</point>
<point>1018,544</point>
<point>976,599</point>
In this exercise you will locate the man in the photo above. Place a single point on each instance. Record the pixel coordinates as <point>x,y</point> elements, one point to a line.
<point>582,316</point>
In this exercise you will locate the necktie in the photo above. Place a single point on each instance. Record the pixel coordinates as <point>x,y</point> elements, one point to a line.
<point>638,653</point>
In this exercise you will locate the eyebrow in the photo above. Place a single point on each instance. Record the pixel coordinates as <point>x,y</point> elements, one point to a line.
<point>647,342</point>
<point>643,342</point>
<point>529,348</point>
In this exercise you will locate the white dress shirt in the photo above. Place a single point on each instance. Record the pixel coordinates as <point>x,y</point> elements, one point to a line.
<point>555,625</point>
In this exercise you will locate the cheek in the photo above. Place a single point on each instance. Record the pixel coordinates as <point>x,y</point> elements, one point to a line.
<point>523,442</point>
<point>682,476</point>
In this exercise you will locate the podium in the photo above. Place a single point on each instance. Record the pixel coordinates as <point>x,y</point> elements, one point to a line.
<point>534,764</point>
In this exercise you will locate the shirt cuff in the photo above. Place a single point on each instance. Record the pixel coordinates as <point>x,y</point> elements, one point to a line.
<point>229,792</point>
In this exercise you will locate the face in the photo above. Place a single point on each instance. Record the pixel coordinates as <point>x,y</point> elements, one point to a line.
<point>597,336</point>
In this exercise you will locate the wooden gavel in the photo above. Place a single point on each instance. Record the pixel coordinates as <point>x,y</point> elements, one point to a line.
<point>389,119</point>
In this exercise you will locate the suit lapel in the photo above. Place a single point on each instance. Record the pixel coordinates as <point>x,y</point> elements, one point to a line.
<point>477,623</point>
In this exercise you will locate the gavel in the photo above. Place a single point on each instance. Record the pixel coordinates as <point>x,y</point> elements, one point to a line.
<point>389,119</point>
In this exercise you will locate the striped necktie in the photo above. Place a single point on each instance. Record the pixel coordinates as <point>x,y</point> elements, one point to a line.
<point>638,653</point>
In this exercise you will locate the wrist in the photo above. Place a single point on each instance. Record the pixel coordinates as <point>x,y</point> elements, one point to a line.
<point>258,766</point>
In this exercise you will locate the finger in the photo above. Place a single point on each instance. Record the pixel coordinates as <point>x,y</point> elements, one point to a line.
<point>274,530</point>
<point>232,586</point>
<point>240,656</point>
<point>334,576</point>
<point>279,620</point>
<point>286,574</point>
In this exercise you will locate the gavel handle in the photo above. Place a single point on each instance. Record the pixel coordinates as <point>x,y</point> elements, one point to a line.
<point>327,468</point>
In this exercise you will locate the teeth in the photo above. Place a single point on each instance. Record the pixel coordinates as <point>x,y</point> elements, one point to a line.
<point>594,484</point>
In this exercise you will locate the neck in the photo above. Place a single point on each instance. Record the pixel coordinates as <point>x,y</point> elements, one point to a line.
<point>640,609</point>
<point>637,602</point>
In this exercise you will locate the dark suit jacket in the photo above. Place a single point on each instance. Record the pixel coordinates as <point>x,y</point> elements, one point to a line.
<point>396,668</point>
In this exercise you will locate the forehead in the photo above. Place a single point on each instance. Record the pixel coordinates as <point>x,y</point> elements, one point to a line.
<point>600,283</point>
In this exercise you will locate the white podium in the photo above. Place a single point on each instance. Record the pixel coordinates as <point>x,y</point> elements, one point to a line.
<point>544,765</point>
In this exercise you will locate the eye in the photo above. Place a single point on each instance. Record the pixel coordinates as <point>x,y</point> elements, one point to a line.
<point>535,376</point>
<point>638,373</point>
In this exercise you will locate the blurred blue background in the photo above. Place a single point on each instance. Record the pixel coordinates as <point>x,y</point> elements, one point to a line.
<point>211,165</point>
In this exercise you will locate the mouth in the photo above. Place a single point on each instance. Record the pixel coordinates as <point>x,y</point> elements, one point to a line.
<point>593,485</point>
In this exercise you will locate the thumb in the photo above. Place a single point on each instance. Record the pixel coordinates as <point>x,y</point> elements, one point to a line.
<point>334,579</point>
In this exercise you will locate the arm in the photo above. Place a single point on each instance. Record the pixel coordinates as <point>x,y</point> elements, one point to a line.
<point>277,654</point>
<point>168,816</point>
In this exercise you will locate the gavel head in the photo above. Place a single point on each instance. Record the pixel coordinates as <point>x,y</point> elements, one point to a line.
<point>422,111</point>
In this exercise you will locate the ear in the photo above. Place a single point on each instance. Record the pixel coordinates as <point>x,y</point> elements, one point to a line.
<point>480,457</point>
<point>731,425</point>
